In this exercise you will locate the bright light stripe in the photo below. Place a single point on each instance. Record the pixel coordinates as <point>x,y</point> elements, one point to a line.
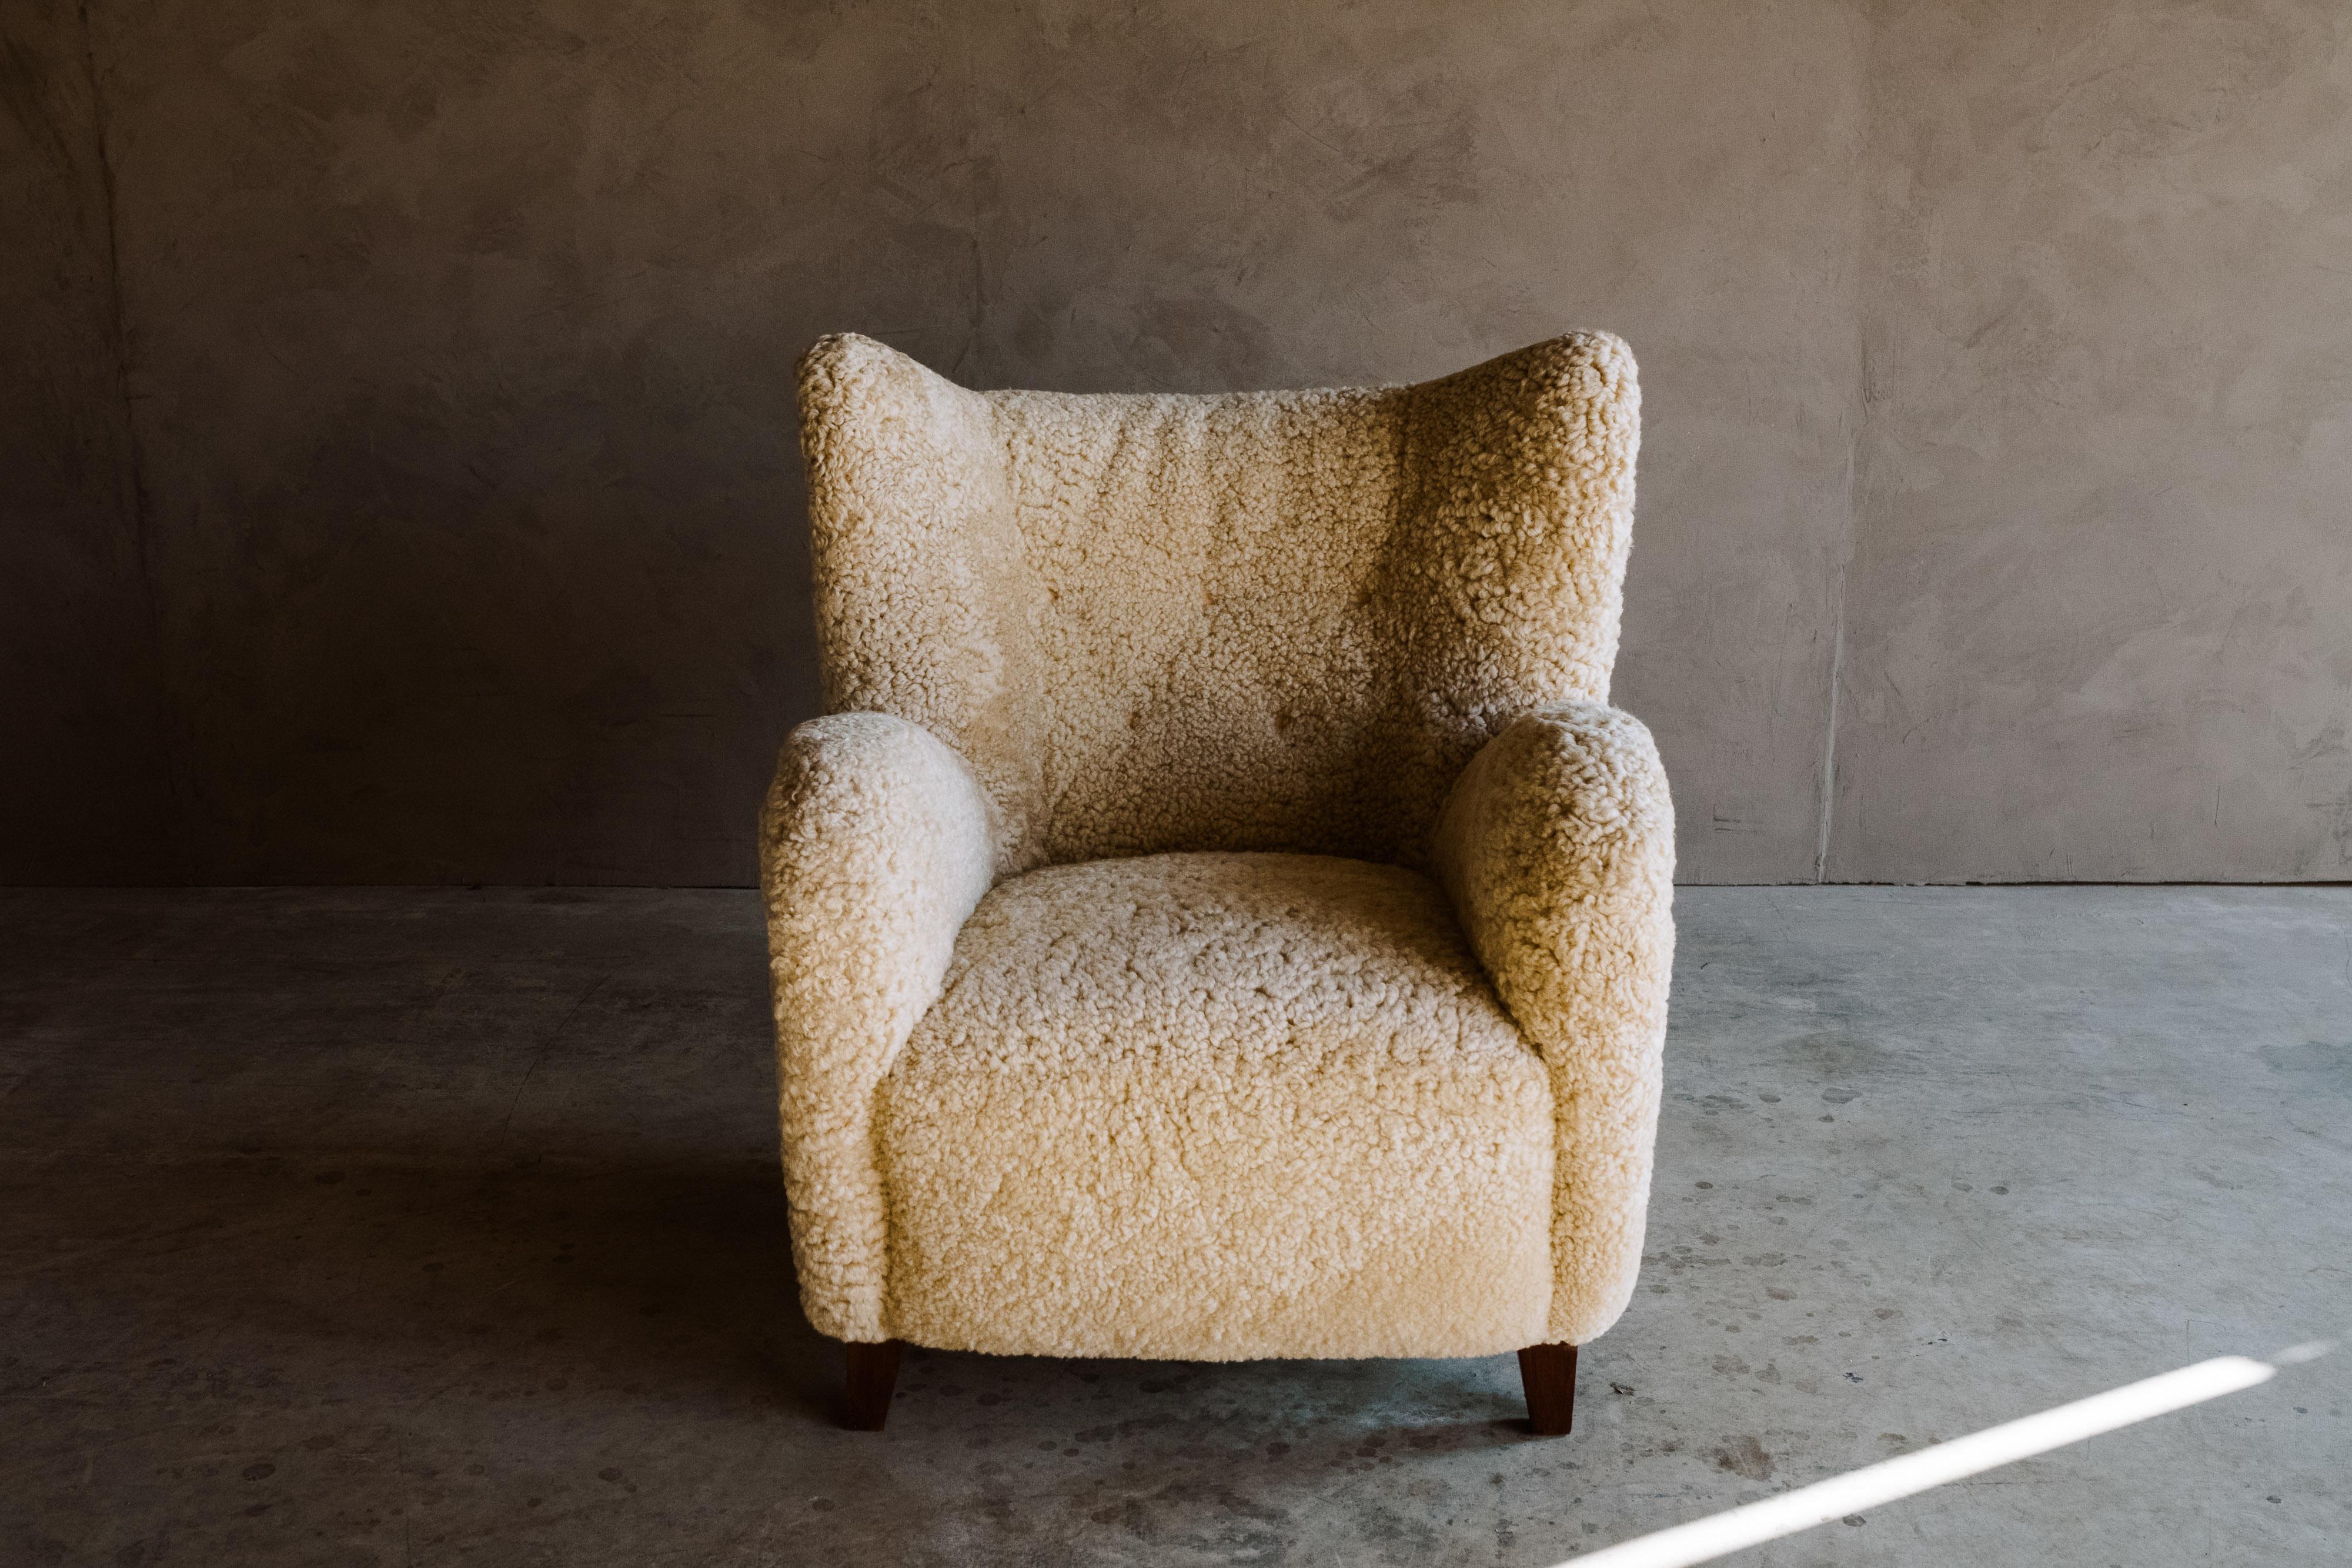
<point>1703,1539</point>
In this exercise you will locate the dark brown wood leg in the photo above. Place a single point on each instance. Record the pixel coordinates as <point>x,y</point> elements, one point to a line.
<point>1549,1373</point>
<point>873,1376</point>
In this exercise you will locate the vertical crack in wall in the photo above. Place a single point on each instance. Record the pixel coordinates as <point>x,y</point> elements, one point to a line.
<point>142,532</point>
<point>971,366</point>
<point>1844,573</point>
<point>1829,743</point>
<point>1859,230</point>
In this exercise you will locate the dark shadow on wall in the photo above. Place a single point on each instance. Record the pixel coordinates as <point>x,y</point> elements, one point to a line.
<point>85,773</point>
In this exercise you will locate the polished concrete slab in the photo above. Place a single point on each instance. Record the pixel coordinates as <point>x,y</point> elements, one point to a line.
<point>426,1226</point>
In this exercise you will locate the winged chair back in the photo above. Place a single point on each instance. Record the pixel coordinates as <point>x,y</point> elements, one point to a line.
<point>1259,620</point>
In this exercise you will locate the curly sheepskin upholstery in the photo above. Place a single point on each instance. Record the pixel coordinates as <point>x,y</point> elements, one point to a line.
<point>1215,1106</point>
<point>1220,916</point>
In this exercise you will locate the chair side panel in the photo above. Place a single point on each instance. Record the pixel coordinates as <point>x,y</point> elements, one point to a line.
<point>920,581</point>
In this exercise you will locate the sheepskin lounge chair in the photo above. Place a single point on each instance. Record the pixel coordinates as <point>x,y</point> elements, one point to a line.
<point>1221,916</point>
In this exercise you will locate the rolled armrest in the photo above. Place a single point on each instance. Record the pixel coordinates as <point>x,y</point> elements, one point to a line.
<point>875,846</point>
<point>1556,847</point>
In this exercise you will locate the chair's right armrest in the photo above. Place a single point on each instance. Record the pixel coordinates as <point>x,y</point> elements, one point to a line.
<point>875,844</point>
<point>1556,848</point>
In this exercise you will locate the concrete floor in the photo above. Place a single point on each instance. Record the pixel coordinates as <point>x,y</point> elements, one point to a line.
<point>416,1226</point>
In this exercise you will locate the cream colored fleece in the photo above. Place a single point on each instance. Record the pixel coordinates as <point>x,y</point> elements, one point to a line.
<point>1268,620</point>
<point>1216,1106</point>
<point>1108,627</point>
<point>877,847</point>
<point>1557,849</point>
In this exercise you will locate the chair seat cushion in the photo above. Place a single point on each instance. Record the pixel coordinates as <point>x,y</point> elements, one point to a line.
<point>1216,1107</point>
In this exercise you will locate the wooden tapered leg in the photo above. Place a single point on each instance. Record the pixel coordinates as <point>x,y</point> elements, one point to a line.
<point>1549,1373</point>
<point>873,1378</point>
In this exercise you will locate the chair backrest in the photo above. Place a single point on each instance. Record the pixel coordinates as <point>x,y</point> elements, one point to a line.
<point>1259,620</point>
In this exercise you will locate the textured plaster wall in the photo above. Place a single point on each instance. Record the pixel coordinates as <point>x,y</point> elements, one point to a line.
<point>2099,623</point>
<point>85,784</point>
<point>403,462</point>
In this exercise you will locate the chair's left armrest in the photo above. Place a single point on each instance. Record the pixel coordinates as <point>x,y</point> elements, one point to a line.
<point>1556,847</point>
<point>875,845</point>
